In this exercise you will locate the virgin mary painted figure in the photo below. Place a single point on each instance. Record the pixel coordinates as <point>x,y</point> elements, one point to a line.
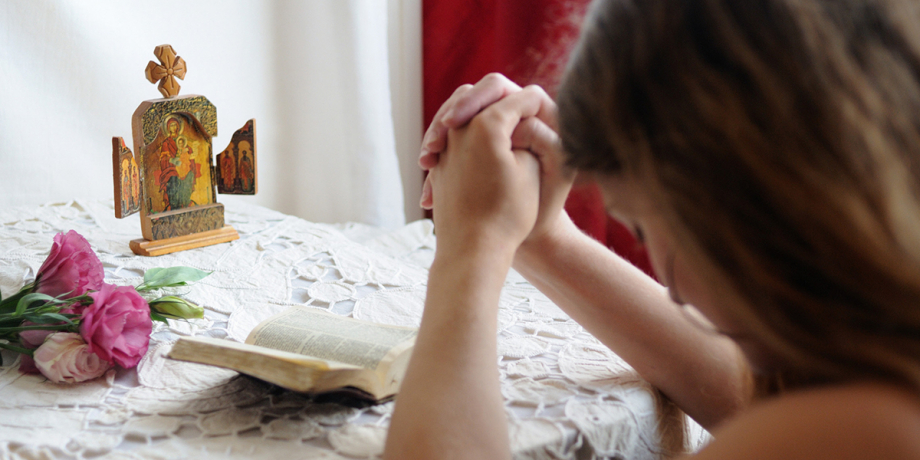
<point>178,169</point>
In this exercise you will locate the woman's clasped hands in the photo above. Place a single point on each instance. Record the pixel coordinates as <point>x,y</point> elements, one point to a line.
<point>497,176</point>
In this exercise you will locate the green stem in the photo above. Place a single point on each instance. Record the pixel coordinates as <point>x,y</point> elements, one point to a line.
<point>24,351</point>
<point>37,310</point>
<point>34,328</point>
<point>10,322</point>
<point>80,299</point>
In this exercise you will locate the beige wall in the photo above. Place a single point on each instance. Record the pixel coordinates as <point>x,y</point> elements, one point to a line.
<point>334,85</point>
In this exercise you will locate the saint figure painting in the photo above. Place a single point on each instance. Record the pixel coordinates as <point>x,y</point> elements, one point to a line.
<point>170,179</point>
<point>236,165</point>
<point>179,152</point>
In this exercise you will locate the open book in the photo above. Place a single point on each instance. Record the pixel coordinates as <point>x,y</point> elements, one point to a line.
<point>309,350</point>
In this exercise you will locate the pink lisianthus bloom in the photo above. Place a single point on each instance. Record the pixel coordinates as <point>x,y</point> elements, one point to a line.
<point>71,268</point>
<point>117,325</point>
<point>31,340</point>
<point>65,357</point>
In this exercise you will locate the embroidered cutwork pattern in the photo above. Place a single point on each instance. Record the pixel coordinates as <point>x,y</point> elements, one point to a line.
<point>566,395</point>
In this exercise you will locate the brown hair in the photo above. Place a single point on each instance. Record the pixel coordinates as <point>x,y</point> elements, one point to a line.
<point>781,140</point>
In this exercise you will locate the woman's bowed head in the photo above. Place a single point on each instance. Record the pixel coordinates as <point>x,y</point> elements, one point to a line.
<point>766,152</point>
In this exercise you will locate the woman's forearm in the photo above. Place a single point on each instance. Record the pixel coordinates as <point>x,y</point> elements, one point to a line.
<point>703,373</point>
<point>450,404</point>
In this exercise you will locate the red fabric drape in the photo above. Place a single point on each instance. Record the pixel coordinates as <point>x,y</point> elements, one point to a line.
<point>528,41</point>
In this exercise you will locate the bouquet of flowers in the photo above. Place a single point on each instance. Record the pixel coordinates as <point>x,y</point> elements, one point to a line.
<point>70,326</point>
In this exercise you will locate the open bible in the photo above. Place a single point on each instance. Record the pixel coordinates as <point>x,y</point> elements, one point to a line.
<point>311,351</point>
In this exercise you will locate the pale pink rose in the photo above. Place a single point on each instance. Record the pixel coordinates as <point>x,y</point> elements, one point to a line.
<point>65,357</point>
<point>34,338</point>
<point>72,268</point>
<point>117,325</point>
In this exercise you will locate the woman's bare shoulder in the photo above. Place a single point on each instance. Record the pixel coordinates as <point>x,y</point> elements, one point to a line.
<point>848,422</point>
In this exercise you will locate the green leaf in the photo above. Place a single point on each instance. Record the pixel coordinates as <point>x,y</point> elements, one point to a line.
<point>157,317</point>
<point>27,300</point>
<point>156,278</point>
<point>57,317</point>
<point>8,305</point>
<point>58,321</point>
<point>37,319</point>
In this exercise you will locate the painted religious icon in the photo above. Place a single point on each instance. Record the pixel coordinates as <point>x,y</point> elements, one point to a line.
<point>126,179</point>
<point>236,165</point>
<point>178,163</point>
<point>170,179</point>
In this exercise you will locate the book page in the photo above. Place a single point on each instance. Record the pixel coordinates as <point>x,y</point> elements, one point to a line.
<point>318,334</point>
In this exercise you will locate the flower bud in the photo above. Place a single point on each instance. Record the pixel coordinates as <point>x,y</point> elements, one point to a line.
<point>176,307</point>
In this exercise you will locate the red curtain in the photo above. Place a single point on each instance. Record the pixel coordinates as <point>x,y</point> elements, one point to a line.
<point>528,41</point>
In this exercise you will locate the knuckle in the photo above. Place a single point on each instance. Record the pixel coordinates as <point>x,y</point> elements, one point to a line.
<point>463,88</point>
<point>536,89</point>
<point>495,78</point>
<point>531,124</point>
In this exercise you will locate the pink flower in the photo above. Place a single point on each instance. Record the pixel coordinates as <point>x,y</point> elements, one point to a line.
<point>117,325</point>
<point>31,340</point>
<point>27,365</point>
<point>34,338</point>
<point>72,267</point>
<point>65,357</point>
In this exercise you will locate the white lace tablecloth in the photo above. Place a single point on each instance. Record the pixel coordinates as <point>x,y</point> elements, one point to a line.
<point>566,395</point>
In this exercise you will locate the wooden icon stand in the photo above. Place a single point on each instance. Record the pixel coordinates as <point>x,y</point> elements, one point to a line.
<point>171,179</point>
<point>146,247</point>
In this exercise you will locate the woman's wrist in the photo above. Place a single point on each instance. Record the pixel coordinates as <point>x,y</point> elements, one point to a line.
<point>470,276</point>
<point>539,246</point>
<point>477,247</point>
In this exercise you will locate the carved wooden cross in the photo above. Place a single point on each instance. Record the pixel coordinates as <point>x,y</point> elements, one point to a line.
<point>170,67</point>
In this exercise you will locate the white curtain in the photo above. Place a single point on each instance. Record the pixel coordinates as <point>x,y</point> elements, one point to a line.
<point>334,86</point>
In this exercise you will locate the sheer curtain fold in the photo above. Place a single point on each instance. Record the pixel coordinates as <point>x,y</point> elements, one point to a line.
<point>338,138</point>
<point>315,75</point>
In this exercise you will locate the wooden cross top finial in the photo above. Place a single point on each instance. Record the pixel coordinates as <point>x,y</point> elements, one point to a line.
<point>170,67</point>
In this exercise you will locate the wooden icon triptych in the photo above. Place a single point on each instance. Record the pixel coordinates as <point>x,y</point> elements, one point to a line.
<point>171,178</point>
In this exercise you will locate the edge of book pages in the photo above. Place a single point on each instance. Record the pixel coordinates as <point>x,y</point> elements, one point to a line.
<point>299,372</point>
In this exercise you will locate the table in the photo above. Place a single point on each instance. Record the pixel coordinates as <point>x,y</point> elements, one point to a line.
<point>566,395</point>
